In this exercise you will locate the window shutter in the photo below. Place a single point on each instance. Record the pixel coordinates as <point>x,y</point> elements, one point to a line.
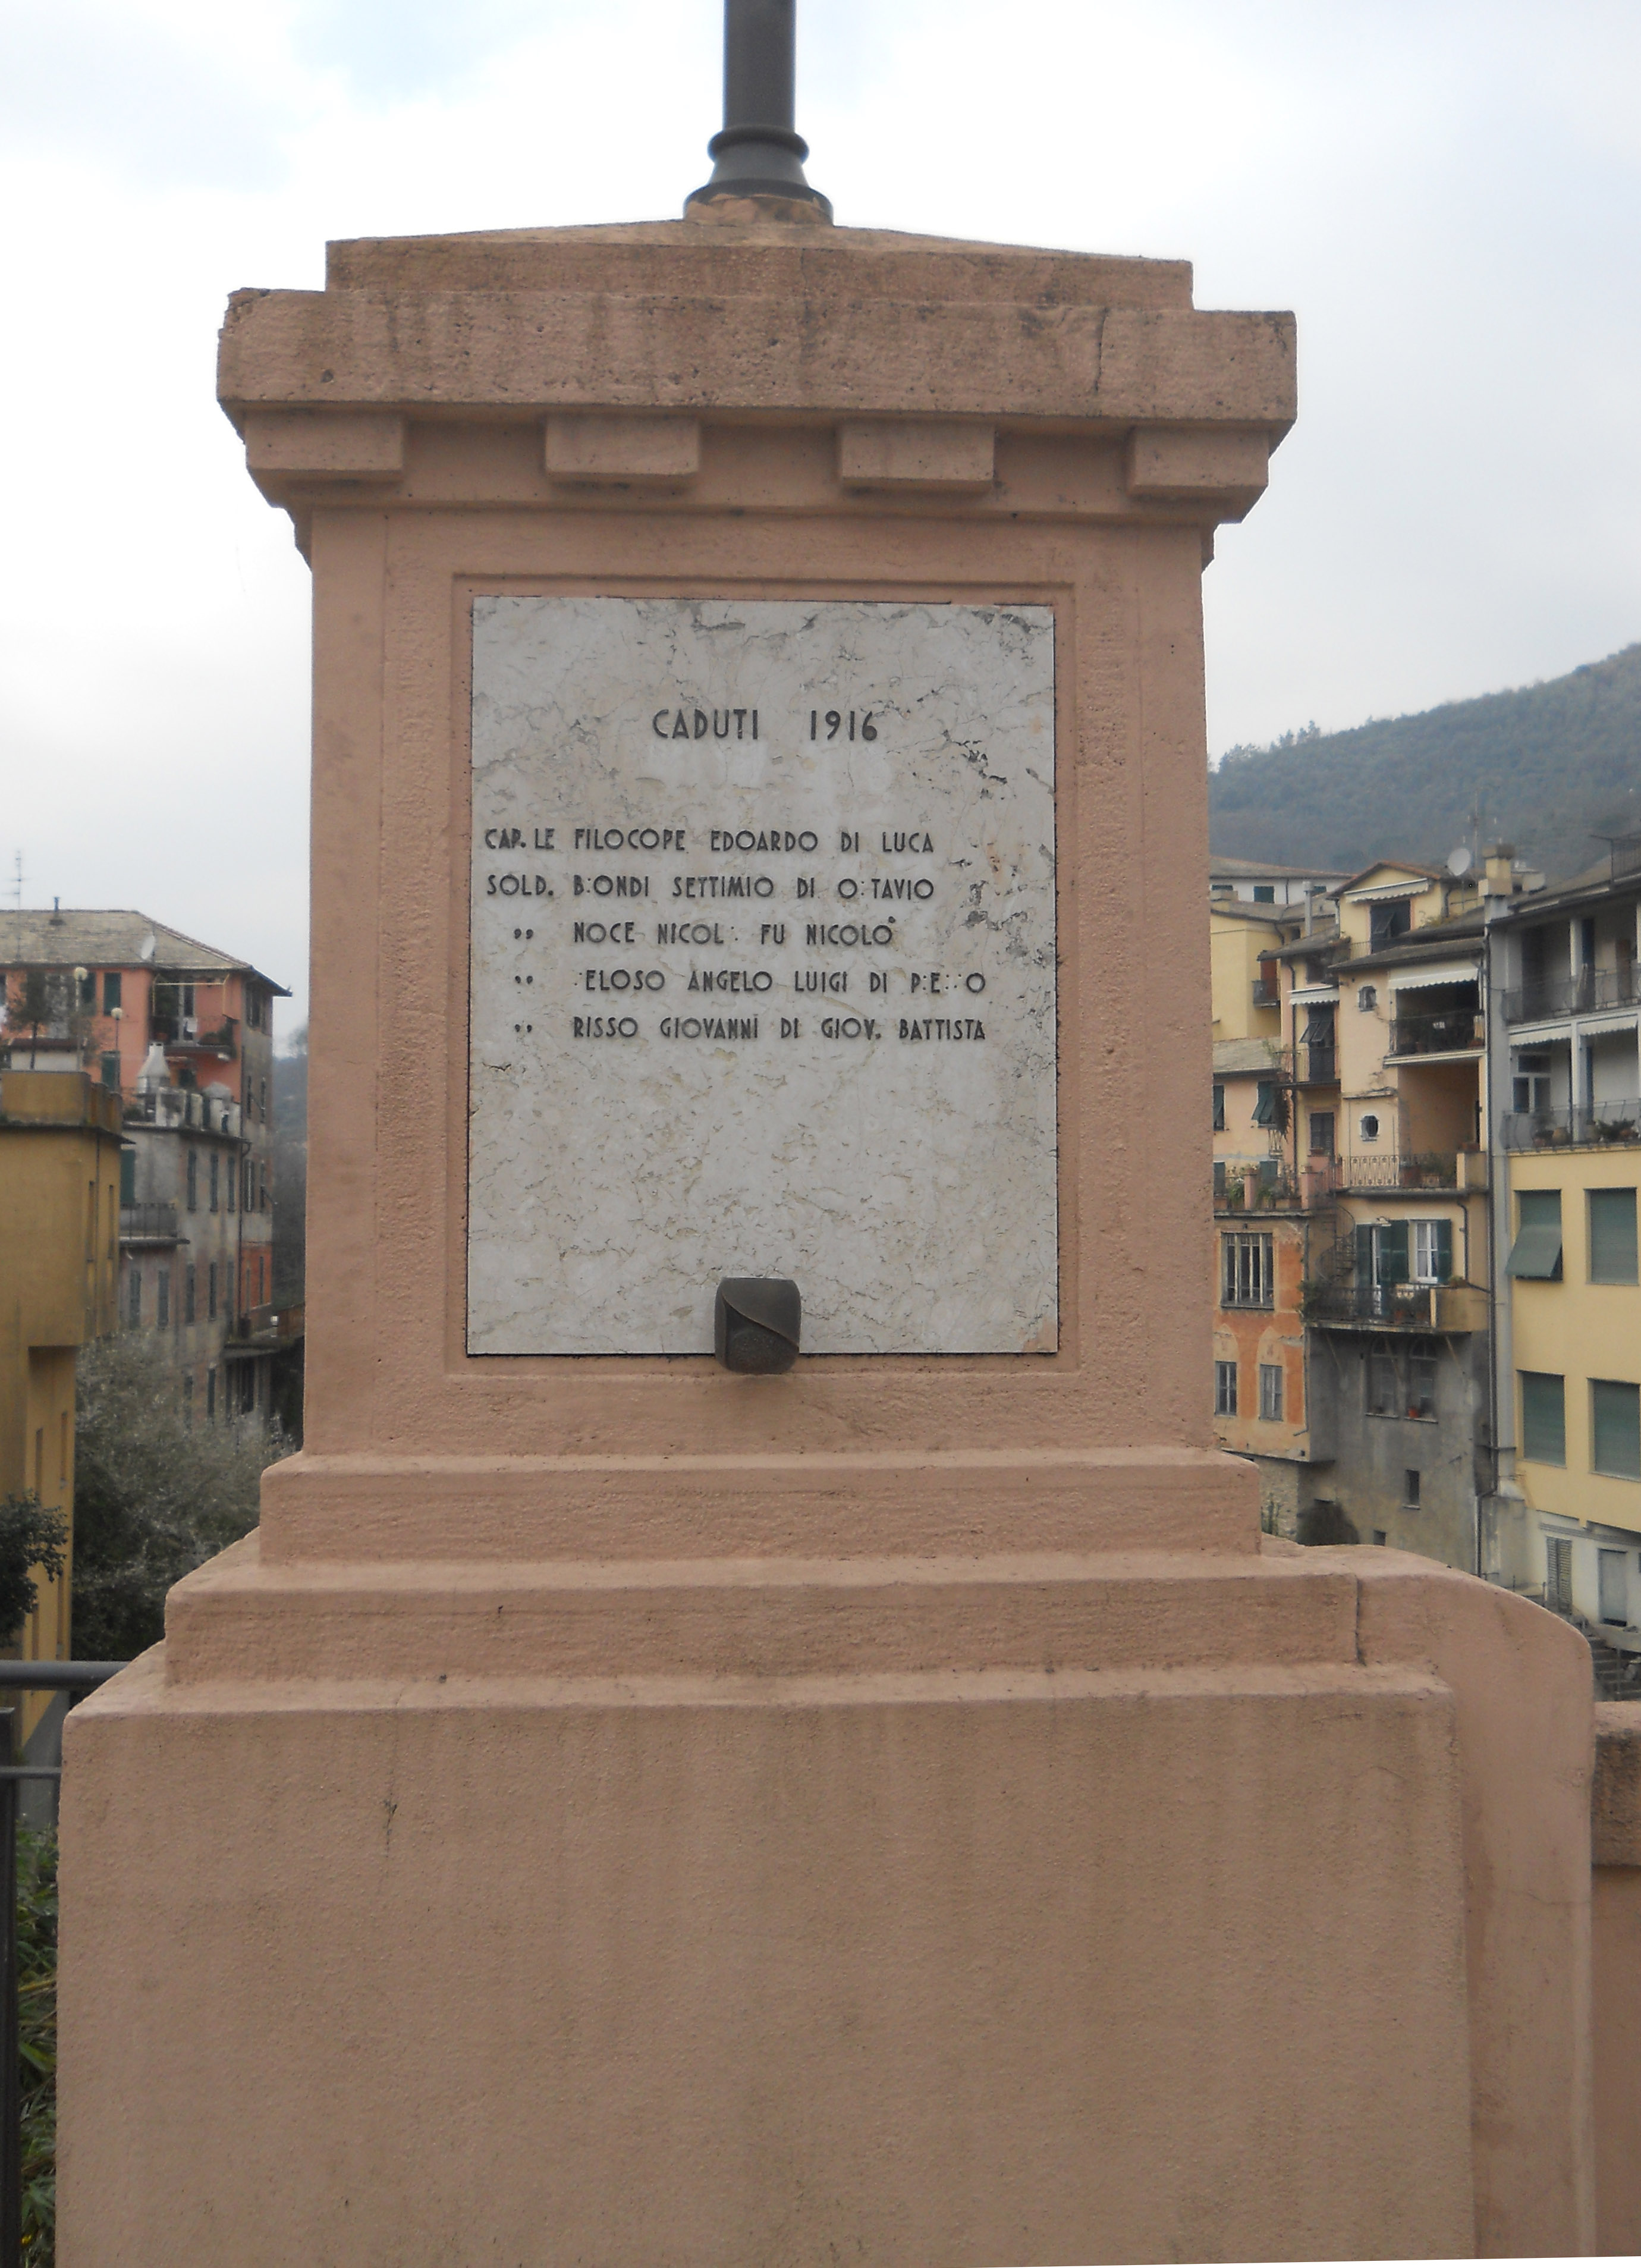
<point>1543,1418</point>
<point>1442,1241</point>
<point>1364,1254</point>
<point>1615,1414</point>
<point>1612,1236</point>
<point>1393,1253</point>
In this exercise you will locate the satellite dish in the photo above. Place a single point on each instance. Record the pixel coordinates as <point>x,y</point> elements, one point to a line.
<point>1458,860</point>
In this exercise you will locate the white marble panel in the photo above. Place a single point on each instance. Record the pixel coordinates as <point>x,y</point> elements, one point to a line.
<point>755,992</point>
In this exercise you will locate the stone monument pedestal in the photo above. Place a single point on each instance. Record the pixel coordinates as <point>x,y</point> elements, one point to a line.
<point>618,1811</point>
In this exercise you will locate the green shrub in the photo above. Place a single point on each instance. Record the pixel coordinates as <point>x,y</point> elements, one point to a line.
<point>31,1535</point>
<point>37,2041</point>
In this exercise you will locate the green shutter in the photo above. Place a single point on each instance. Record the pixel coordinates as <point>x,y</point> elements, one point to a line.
<point>1364,1255</point>
<point>1543,1418</point>
<point>1612,1236</point>
<point>1265,1103</point>
<point>1443,1242</point>
<point>1536,1252</point>
<point>1392,1252</point>
<point>1615,1428</point>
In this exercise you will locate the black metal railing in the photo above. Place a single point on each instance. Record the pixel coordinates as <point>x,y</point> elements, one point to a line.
<point>1406,1307</point>
<point>149,1224</point>
<point>1452,1032</point>
<point>1580,1127</point>
<point>23,1677</point>
<point>1318,1066</point>
<point>1573,995</point>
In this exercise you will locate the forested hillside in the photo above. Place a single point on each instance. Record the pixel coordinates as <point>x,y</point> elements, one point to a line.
<point>1549,763</point>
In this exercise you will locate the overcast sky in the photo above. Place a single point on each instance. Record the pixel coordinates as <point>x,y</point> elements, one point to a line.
<point>1447,194</point>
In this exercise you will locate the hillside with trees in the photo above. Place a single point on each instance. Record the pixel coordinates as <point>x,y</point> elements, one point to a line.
<point>1545,767</point>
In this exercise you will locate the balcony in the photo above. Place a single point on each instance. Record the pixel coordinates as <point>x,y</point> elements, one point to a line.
<point>1315,1066</point>
<point>190,1036</point>
<point>1266,994</point>
<point>261,1329</point>
<point>1454,1031</point>
<point>149,1224</point>
<point>1573,995</point>
<point>1585,1127</point>
<point>1419,1169</point>
<point>1396,1307</point>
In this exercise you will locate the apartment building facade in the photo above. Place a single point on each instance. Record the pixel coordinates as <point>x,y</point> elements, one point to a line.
<point>1356,1251</point>
<point>60,1146</point>
<point>182,1036</point>
<point>1567,1099</point>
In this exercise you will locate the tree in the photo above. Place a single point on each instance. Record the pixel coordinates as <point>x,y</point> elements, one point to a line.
<point>154,1495</point>
<point>31,1536</point>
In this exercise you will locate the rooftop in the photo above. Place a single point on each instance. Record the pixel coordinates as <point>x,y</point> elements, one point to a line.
<point>112,937</point>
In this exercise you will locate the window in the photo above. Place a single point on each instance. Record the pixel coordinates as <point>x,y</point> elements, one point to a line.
<point>261,1264</point>
<point>193,1181</point>
<point>1421,1380</point>
<point>162,1314</point>
<point>127,1177</point>
<point>1530,1086</point>
<point>134,1297</point>
<point>263,1174</point>
<point>1249,1272</point>
<point>1322,1133</point>
<point>1219,1181</point>
<point>1536,1252</point>
<point>1270,1390</point>
<point>113,987</point>
<point>1265,894</point>
<point>1220,1108</point>
<point>187,1398</point>
<point>1384,1388</point>
<point>213,1181</point>
<point>1612,1236</point>
<point>211,1293</point>
<point>1411,1484</point>
<point>87,992</point>
<point>247,1387</point>
<point>1558,1575</point>
<point>1612,1583</point>
<point>1225,1389</point>
<point>1368,999</point>
<point>1267,1109</point>
<point>1401,1380</point>
<point>1387,924</point>
<point>187,1292</point>
<point>210,1394</point>
<point>108,1066</point>
<point>1430,1251</point>
<point>230,1181</point>
<point>1369,1126</point>
<point>1615,1428</point>
<point>262,1107</point>
<point>1543,1418</point>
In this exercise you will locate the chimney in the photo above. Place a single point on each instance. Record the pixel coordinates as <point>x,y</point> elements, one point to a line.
<point>1498,876</point>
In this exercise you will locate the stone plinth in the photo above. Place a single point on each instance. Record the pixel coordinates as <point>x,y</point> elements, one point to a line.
<point>618,1811</point>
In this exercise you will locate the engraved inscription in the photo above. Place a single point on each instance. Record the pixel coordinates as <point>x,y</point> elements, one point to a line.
<point>795,860</point>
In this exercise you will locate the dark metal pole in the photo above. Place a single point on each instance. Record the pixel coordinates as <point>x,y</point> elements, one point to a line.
<point>758,154</point>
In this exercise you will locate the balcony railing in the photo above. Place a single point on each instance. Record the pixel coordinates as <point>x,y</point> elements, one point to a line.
<point>1573,995</point>
<point>1266,995</point>
<point>1576,1129</point>
<point>149,1224</point>
<point>1456,1032</point>
<point>1420,1169</point>
<point>1397,1307</point>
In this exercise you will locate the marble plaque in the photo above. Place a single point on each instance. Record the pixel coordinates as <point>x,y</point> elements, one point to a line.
<point>762,975</point>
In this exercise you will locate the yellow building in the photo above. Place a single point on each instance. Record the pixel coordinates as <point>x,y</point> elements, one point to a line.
<point>1567,980</point>
<point>59,1279</point>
